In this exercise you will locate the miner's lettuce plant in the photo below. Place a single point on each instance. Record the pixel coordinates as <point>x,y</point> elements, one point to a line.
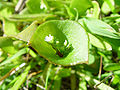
<point>59,44</point>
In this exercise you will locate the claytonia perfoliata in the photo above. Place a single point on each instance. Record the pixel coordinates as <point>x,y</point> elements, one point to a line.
<point>62,48</point>
<point>49,39</point>
<point>42,6</point>
<point>65,43</point>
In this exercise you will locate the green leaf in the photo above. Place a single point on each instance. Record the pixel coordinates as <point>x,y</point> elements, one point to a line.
<point>30,17</point>
<point>116,80</point>
<point>62,73</point>
<point>98,27</point>
<point>82,84</point>
<point>21,79</point>
<point>106,59</point>
<point>24,11</point>
<point>81,5</point>
<point>93,82</point>
<point>115,43</point>
<point>33,6</point>
<point>26,34</point>
<point>37,6</point>
<point>57,84</point>
<point>4,4</point>
<point>57,5</point>
<point>112,66</point>
<point>117,2</point>
<point>71,12</point>
<point>96,9</point>
<point>44,5</point>
<point>47,76</point>
<point>68,32</point>
<point>91,59</point>
<point>108,6</point>
<point>96,40</point>
<point>102,85</point>
<point>10,59</point>
<point>111,4</point>
<point>9,27</point>
<point>13,81</point>
<point>6,44</point>
<point>99,42</point>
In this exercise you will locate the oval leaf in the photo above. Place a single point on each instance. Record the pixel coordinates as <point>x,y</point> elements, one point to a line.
<point>98,27</point>
<point>112,66</point>
<point>62,32</point>
<point>99,42</point>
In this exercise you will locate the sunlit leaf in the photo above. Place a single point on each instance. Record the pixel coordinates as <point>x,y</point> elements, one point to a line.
<point>99,27</point>
<point>63,31</point>
<point>9,27</point>
<point>81,5</point>
<point>6,44</point>
<point>33,6</point>
<point>31,17</point>
<point>82,84</point>
<point>19,53</point>
<point>21,79</point>
<point>94,82</point>
<point>112,66</point>
<point>97,42</point>
<point>96,9</point>
<point>26,34</point>
<point>108,6</point>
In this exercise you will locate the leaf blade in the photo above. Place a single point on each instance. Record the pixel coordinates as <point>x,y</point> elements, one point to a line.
<point>70,29</point>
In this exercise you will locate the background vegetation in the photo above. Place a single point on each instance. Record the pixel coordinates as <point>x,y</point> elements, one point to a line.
<point>59,44</point>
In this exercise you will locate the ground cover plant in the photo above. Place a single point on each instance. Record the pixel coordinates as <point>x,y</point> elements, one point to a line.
<point>59,45</point>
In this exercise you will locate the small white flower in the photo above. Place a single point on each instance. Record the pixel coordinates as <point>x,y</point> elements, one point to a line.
<point>71,64</point>
<point>65,43</point>
<point>22,65</point>
<point>42,6</point>
<point>57,42</point>
<point>1,53</point>
<point>49,38</point>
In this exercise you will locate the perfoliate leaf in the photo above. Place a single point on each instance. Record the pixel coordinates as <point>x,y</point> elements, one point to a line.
<point>57,52</point>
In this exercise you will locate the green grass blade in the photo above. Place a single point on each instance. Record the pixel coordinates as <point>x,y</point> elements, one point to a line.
<point>19,53</point>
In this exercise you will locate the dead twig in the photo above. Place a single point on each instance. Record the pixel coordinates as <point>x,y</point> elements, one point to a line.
<point>20,5</point>
<point>103,80</point>
<point>33,73</point>
<point>100,69</point>
<point>7,75</point>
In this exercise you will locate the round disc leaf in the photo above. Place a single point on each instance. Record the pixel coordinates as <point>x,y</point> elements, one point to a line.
<point>62,32</point>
